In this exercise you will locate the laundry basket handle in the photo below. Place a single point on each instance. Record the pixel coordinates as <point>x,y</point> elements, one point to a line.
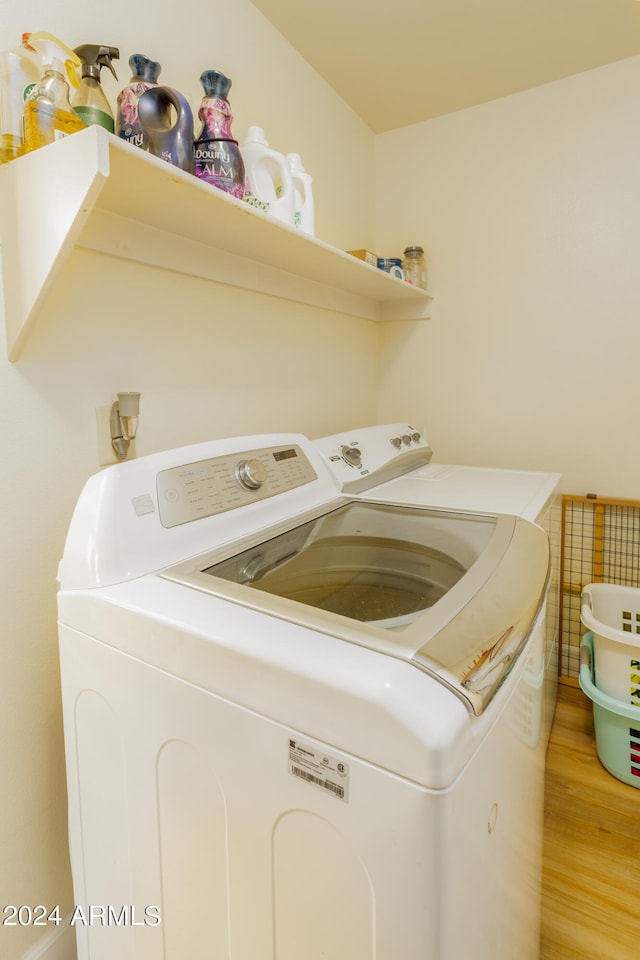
<point>585,598</point>
<point>585,657</point>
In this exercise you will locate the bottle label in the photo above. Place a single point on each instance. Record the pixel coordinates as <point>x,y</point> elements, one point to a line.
<point>219,162</point>
<point>127,123</point>
<point>216,117</point>
<point>93,116</point>
<point>43,124</point>
<point>256,202</point>
<point>135,136</point>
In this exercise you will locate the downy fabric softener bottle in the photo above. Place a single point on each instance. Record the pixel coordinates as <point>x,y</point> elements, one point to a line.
<point>217,157</point>
<point>144,74</point>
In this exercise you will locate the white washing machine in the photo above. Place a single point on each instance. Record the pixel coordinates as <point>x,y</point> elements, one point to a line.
<point>363,459</point>
<point>296,722</point>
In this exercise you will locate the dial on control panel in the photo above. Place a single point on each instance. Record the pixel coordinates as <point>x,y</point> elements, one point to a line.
<point>251,474</point>
<point>351,455</point>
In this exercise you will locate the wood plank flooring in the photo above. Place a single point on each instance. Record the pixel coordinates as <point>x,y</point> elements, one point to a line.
<point>591,872</point>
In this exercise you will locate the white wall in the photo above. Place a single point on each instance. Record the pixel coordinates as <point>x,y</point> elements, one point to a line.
<point>529,211</point>
<point>210,361</point>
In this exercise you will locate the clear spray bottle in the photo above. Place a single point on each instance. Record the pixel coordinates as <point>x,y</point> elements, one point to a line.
<point>20,70</point>
<point>48,114</point>
<point>89,101</point>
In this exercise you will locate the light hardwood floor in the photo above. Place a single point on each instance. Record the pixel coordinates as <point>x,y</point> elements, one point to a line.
<point>591,872</point>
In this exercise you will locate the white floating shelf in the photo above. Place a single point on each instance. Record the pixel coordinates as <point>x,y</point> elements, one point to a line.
<point>96,191</point>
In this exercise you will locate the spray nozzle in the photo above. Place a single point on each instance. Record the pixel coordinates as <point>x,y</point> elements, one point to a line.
<point>94,56</point>
<point>56,55</point>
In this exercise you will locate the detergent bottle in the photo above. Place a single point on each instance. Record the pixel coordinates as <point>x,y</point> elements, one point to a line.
<point>268,183</point>
<point>167,120</point>
<point>217,157</point>
<point>144,74</point>
<point>303,210</point>
<point>48,114</point>
<point>19,72</point>
<point>89,101</point>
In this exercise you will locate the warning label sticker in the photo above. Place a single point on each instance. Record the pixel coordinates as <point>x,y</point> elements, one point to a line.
<point>319,769</point>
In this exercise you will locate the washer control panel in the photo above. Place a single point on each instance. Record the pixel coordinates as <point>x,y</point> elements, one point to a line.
<point>208,487</point>
<point>373,454</point>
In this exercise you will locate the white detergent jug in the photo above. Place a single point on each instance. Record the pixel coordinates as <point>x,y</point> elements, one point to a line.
<point>268,183</point>
<point>303,211</point>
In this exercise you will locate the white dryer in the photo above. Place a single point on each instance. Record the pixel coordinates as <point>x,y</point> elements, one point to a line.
<point>294,718</point>
<point>363,459</point>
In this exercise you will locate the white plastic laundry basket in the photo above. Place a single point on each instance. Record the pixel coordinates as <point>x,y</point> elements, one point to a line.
<point>612,613</point>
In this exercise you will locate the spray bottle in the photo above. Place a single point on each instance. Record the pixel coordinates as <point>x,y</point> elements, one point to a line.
<point>144,74</point>
<point>89,101</point>
<point>48,114</point>
<point>19,72</point>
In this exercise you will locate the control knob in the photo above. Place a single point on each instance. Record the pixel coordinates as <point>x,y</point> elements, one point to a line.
<point>251,474</point>
<point>352,456</point>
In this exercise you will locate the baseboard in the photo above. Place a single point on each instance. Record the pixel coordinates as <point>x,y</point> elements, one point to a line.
<point>58,943</point>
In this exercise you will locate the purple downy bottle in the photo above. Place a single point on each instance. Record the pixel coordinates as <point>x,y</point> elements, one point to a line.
<point>145,73</point>
<point>217,157</point>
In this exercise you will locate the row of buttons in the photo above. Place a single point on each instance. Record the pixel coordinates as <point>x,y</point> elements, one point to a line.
<point>405,440</point>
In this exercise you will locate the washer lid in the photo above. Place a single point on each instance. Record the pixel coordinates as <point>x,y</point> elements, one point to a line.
<point>454,594</point>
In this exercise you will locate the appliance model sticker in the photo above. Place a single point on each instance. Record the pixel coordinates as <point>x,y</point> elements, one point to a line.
<point>319,769</point>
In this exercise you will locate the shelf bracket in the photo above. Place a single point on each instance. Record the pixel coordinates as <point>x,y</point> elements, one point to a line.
<point>43,227</point>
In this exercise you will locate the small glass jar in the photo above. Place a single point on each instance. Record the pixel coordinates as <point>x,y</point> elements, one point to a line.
<point>415,268</point>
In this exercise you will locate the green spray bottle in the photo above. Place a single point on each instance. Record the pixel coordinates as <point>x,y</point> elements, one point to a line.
<point>89,101</point>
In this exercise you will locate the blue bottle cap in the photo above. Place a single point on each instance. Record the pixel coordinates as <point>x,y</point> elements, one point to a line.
<point>144,68</point>
<point>215,84</point>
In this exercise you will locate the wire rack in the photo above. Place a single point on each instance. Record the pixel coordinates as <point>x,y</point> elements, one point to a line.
<point>600,544</point>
